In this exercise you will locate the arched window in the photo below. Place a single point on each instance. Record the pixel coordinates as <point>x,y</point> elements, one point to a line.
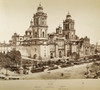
<point>35,34</point>
<point>43,34</point>
<point>51,56</point>
<point>67,26</point>
<point>30,33</point>
<point>4,52</point>
<point>66,36</point>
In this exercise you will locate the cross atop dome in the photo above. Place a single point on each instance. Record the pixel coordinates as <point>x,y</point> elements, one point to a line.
<point>68,13</point>
<point>40,4</point>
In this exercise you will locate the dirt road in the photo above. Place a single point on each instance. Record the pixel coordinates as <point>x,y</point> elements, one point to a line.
<point>74,72</point>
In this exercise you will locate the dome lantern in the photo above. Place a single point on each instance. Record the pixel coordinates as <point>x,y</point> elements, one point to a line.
<point>40,8</point>
<point>68,16</point>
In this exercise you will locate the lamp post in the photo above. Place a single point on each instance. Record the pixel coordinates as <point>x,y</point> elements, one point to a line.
<point>88,72</point>
<point>21,68</point>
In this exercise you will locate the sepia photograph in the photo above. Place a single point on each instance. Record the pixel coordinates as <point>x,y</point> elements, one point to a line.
<point>49,44</point>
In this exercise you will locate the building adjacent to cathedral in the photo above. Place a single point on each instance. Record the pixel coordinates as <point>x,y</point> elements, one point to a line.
<point>38,44</point>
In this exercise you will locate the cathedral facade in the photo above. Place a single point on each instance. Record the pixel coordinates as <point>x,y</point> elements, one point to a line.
<point>38,44</point>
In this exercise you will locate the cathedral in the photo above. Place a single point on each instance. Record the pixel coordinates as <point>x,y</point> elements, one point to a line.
<point>38,44</point>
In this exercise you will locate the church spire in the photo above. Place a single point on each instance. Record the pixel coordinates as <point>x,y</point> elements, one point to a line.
<point>31,23</point>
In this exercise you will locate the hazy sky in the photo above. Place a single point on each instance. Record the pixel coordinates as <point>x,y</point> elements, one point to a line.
<point>15,16</point>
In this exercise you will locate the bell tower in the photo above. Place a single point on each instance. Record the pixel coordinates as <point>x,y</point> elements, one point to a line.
<point>68,27</point>
<point>40,24</point>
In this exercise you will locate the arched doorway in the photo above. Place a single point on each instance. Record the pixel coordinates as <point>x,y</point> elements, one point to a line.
<point>34,57</point>
<point>60,54</point>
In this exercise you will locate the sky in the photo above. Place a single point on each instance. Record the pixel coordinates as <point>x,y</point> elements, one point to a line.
<point>15,16</point>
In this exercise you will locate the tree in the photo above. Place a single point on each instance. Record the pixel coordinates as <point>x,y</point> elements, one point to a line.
<point>2,59</point>
<point>15,57</point>
<point>7,63</point>
<point>4,62</point>
<point>75,56</point>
